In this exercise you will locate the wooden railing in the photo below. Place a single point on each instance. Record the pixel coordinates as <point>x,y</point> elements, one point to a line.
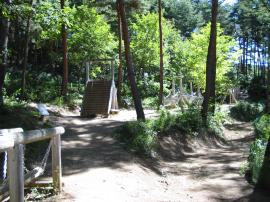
<point>12,141</point>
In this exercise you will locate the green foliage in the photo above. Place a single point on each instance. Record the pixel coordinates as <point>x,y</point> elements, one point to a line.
<point>245,111</point>
<point>216,121</point>
<point>150,102</point>
<point>184,15</point>
<point>262,127</point>
<point>196,54</point>
<point>165,122</point>
<point>142,137</point>
<point>190,121</point>
<point>256,157</point>
<point>90,36</point>
<point>145,49</point>
<point>258,147</point>
<point>138,136</point>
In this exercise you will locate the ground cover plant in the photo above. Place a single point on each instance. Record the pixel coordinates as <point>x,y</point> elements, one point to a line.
<point>258,147</point>
<point>246,111</point>
<point>142,137</point>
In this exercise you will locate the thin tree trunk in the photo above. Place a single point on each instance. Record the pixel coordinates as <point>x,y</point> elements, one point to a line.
<point>161,54</point>
<point>5,24</point>
<point>130,68</point>
<point>26,51</point>
<point>244,56</point>
<point>65,57</point>
<point>210,94</point>
<point>120,67</point>
<point>246,61</point>
<point>254,61</point>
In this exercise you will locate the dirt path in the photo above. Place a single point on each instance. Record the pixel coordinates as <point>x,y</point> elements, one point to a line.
<point>96,168</point>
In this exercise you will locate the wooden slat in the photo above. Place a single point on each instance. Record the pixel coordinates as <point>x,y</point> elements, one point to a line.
<point>28,178</point>
<point>96,98</point>
<point>16,173</point>
<point>8,141</point>
<point>56,163</point>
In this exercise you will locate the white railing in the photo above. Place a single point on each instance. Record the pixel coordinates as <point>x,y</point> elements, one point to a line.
<point>12,141</point>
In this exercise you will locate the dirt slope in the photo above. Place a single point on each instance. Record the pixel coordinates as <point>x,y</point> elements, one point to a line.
<point>96,168</point>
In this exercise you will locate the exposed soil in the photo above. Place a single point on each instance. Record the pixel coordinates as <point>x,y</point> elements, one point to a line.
<point>97,168</point>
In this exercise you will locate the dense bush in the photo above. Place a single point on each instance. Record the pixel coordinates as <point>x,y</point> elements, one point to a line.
<point>141,137</point>
<point>138,136</point>
<point>245,111</point>
<point>258,147</point>
<point>215,122</point>
<point>255,159</point>
<point>262,127</point>
<point>165,122</point>
<point>190,121</point>
<point>150,102</point>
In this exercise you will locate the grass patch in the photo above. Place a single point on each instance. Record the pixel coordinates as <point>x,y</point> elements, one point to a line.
<point>245,111</point>
<point>142,137</point>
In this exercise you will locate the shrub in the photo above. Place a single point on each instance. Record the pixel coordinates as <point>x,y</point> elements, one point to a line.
<point>258,147</point>
<point>190,121</point>
<point>215,122</point>
<point>255,159</point>
<point>150,102</point>
<point>138,136</point>
<point>165,122</point>
<point>245,111</point>
<point>262,127</point>
<point>141,137</point>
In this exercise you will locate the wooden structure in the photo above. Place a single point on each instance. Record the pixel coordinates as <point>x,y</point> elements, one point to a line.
<point>100,97</point>
<point>13,142</point>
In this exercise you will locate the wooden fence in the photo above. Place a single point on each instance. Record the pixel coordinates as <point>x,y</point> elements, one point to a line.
<point>12,141</point>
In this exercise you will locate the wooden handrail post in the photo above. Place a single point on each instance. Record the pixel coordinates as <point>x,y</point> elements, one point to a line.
<point>16,173</point>
<point>56,163</point>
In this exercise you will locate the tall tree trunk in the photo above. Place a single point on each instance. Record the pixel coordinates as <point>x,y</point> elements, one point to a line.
<point>130,68</point>
<point>161,70</point>
<point>65,57</point>
<point>267,106</point>
<point>120,67</point>
<point>26,51</point>
<point>5,24</point>
<point>246,61</point>
<point>254,60</point>
<point>210,91</point>
<point>244,56</point>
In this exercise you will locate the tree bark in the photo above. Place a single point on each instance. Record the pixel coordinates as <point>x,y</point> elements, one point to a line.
<point>65,57</point>
<point>5,24</point>
<point>267,106</point>
<point>26,51</point>
<point>130,68</point>
<point>246,59</point>
<point>161,71</point>
<point>120,67</point>
<point>210,91</point>
<point>244,56</point>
